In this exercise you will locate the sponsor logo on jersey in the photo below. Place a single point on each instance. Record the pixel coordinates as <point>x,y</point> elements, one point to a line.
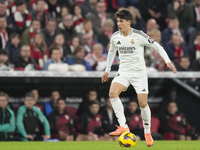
<point>150,40</point>
<point>118,42</point>
<point>132,41</point>
<point>126,50</point>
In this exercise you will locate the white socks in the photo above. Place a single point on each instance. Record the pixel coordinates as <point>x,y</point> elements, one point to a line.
<point>146,119</point>
<point>119,111</point>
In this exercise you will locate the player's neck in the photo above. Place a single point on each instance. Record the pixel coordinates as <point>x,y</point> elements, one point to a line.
<point>126,32</point>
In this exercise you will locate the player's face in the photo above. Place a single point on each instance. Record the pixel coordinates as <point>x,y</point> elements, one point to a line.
<point>185,63</point>
<point>122,24</point>
<point>172,108</point>
<point>29,102</point>
<point>3,102</point>
<point>132,107</point>
<point>35,93</point>
<point>94,109</point>
<point>54,96</point>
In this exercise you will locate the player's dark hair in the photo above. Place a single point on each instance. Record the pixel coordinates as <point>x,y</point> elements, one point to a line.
<point>91,89</point>
<point>29,95</point>
<point>133,100</point>
<point>13,35</point>
<point>197,34</point>
<point>124,14</point>
<point>61,99</point>
<point>78,49</point>
<point>40,0</point>
<point>4,94</point>
<point>52,20</point>
<point>19,2</point>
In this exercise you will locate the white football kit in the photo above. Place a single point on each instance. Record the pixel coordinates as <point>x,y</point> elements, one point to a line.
<point>132,68</point>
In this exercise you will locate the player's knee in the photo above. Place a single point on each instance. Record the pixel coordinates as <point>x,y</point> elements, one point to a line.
<point>142,104</point>
<point>113,95</point>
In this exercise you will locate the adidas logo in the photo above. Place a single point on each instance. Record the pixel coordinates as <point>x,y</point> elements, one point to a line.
<point>144,90</point>
<point>118,42</point>
<point>146,124</point>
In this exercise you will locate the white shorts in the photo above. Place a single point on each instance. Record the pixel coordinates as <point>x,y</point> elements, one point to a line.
<point>138,80</point>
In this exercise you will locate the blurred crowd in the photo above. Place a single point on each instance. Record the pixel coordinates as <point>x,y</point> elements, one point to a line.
<point>91,121</point>
<point>62,35</point>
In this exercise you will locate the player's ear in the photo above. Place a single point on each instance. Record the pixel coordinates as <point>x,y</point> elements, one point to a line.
<point>129,21</point>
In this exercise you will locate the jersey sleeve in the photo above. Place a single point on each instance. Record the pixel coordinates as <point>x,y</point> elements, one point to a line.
<point>149,42</point>
<point>11,127</point>
<point>111,55</point>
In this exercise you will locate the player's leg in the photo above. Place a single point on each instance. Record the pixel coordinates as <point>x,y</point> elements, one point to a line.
<point>118,85</point>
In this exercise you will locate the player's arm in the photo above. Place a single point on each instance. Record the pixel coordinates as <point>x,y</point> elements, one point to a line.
<point>110,58</point>
<point>151,43</point>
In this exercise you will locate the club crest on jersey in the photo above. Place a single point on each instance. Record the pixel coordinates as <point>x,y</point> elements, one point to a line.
<point>132,41</point>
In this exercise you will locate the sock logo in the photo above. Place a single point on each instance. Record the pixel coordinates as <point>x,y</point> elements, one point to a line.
<point>146,124</point>
<point>118,42</point>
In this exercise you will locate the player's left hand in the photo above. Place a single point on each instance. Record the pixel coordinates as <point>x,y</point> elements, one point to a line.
<point>171,66</point>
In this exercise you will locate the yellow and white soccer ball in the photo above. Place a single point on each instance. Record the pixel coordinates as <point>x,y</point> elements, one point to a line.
<point>127,139</point>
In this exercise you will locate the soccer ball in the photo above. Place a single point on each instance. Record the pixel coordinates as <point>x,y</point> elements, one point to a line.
<point>127,139</point>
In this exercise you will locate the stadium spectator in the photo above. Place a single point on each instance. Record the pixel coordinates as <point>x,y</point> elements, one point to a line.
<point>89,125</point>
<point>160,64</point>
<point>66,27</point>
<point>61,122</point>
<point>174,124</point>
<point>137,23</point>
<point>55,63</point>
<point>154,9</point>
<point>173,28</point>
<point>184,64</point>
<point>32,125</point>
<point>4,32</point>
<point>150,54</point>
<point>151,25</point>
<point>39,49</point>
<point>98,18</point>
<point>13,46</point>
<point>196,7</point>
<point>7,118</point>
<point>59,42</point>
<point>90,97</point>
<point>28,34</point>
<point>104,36</point>
<point>50,31</point>
<point>49,107</point>
<point>21,18</point>
<point>196,65</point>
<point>78,19</point>
<point>54,8</point>
<point>96,58</point>
<point>36,98</point>
<point>4,65</point>
<point>40,13</point>
<point>64,11</point>
<point>24,61</point>
<point>194,50</point>
<point>109,120</point>
<point>184,11</point>
<point>78,58</point>
<point>75,42</point>
<point>175,49</point>
<point>88,7</point>
<point>3,9</point>
<point>87,42</point>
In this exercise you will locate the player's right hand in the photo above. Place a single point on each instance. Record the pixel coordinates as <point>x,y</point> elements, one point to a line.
<point>104,77</point>
<point>29,137</point>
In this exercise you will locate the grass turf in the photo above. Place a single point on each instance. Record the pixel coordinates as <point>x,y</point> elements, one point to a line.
<point>105,145</point>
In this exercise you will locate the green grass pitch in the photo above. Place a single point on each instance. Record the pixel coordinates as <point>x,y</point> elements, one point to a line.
<point>105,145</point>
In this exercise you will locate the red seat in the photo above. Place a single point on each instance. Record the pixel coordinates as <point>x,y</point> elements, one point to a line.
<point>155,124</point>
<point>168,136</point>
<point>71,110</point>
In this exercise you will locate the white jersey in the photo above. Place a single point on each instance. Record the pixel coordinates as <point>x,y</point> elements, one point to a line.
<point>131,51</point>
